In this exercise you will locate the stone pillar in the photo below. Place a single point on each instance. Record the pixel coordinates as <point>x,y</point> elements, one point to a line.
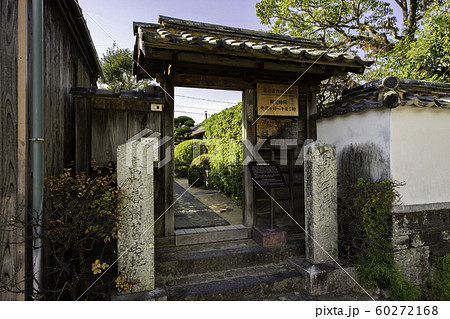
<point>320,202</point>
<point>136,238</point>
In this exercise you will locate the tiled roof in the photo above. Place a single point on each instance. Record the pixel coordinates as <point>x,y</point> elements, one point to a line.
<point>390,92</point>
<point>210,36</point>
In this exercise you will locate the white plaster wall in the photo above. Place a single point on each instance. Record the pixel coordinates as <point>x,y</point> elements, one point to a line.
<point>357,129</point>
<point>421,154</point>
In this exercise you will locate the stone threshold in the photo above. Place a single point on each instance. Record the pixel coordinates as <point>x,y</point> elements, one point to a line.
<point>192,236</point>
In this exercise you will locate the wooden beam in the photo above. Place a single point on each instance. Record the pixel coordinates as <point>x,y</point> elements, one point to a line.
<point>211,82</point>
<point>151,43</point>
<point>235,62</point>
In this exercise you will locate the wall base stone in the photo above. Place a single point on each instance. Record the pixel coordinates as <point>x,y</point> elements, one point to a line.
<point>400,242</point>
<point>414,263</point>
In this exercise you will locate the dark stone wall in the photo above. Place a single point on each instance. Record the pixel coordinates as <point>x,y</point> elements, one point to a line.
<point>418,236</point>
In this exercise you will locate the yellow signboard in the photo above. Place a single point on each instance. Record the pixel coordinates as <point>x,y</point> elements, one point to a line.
<point>276,99</point>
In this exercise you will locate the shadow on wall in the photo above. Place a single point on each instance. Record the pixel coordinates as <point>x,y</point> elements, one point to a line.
<point>362,160</point>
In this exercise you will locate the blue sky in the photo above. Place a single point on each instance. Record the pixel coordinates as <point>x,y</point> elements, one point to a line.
<point>112,20</point>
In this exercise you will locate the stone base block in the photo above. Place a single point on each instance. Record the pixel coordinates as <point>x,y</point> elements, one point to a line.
<point>158,294</point>
<point>323,279</point>
<point>414,264</point>
<point>266,237</point>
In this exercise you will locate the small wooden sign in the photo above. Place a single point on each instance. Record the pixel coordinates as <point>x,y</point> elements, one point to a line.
<point>267,175</point>
<point>156,107</point>
<point>277,99</point>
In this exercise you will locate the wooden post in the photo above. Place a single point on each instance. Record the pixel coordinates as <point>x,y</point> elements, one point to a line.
<point>311,109</point>
<point>168,84</point>
<point>291,182</point>
<point>22,141</point>
<point>249,133</point>
<point>272,198</point>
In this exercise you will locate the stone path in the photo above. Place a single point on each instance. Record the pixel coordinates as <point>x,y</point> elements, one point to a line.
<point>192,213</point>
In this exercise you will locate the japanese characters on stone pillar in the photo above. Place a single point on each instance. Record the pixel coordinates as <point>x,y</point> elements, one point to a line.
<point>136,238</point>
<point>321,202</point>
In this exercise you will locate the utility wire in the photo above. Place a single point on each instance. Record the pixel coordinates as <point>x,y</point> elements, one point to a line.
<point>209,100</point>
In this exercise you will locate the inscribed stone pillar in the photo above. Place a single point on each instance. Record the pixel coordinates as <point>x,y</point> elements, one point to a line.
<point>136,238</point>
<point>320,202</point>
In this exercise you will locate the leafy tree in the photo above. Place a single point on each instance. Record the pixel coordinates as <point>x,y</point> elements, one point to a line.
<point>415,47</point>
<point>117,65</point>
<point>183,128</point>
<point>183,121</point>
<point>370,25</point>
<point>425,57</point>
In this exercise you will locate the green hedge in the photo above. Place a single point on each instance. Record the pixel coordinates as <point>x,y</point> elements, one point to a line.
<point>224,142</point>
<point>184,154</point>
<point>197,170</point>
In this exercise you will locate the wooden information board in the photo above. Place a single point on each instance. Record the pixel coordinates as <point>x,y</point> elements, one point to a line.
<point>276,99</point>
<point>267,175</point>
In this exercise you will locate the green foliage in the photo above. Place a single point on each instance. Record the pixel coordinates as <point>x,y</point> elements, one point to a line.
<point>224,141</point>
<point>183,128</point>
<point>441,283</point>
<point>83,219</point>
<point>183,121</point>
<point>415,46</point>
<point>425,56</point>
<point>365,223</point>
<point>117,65</point>
<point>185,152</point>
<point>344,25</point>
<point>197,170</point>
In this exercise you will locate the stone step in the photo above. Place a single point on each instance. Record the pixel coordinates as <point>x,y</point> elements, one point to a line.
<point>201,235</point>
<point>249,283</point>
<point>180,261</point>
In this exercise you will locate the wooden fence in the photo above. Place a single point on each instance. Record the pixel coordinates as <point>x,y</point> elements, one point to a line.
<point>106,119</point>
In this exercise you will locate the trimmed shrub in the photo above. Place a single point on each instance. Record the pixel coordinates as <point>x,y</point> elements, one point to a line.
<point>224,142</point>
<point>197,170</point>
<point>185,152</point>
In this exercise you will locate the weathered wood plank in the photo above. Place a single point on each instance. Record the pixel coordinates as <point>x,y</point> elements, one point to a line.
<point>82,135</point>
<point>109,130</point>
<point>139,121</point>
<point>12,258</point>
<point>22,140</point>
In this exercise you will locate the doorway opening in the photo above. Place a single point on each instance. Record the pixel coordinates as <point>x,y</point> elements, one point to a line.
<point>202,203</point>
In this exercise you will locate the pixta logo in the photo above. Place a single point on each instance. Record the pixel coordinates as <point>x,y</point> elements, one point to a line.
<point>145,147</point>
